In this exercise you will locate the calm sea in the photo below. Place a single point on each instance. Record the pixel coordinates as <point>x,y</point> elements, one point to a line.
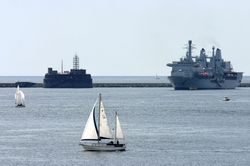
<point>161,126</point>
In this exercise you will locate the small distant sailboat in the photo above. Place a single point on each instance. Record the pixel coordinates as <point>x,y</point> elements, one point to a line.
<point>94,135</point>
<point>19,98</point>
<point>157,77</point>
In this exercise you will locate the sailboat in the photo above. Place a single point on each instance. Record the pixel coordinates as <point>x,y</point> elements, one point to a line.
<point>97,135</point>
<point>19,98</point>
<point>157,77</point>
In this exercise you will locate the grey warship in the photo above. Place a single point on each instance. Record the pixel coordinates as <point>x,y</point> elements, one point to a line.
<point>203,72</point>
<point>75,78</point>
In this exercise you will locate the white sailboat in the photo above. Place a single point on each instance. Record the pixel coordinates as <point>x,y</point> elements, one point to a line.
<point>19,98</point>
<point>157,77</point>
<point>97,135</point>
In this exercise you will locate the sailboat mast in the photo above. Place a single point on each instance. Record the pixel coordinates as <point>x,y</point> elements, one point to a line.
<point>99,117</point>
<point>115,124</point>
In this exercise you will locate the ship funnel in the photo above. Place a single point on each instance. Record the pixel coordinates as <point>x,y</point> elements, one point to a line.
<point>76,62</point>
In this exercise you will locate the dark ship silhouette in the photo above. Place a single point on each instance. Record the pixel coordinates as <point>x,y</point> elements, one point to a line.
<point>200,73</point>
<point>76,78</point>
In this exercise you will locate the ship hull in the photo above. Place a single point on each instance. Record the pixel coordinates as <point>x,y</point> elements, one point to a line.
<point>67,81</point>
<point>70,83</point>
<point>183,83</point>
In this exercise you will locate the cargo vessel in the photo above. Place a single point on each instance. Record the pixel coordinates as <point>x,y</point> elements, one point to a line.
<point>75,78</point>
<point>203,72</point>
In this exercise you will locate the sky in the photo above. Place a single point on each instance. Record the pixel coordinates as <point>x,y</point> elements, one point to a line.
<point>119,37</point>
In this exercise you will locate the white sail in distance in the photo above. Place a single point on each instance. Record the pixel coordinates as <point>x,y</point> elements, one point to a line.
<point>19,97</point>
<point>104,130</point>
<point>118,133</point>
<point>90,130</point>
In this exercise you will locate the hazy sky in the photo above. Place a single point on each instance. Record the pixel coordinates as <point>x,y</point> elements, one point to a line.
<point>119,37</point>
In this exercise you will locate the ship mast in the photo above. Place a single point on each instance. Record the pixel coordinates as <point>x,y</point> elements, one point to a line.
<point>213,51</point>
<point>62,67</point>
<point>76,62</point>
<point>189,53</point>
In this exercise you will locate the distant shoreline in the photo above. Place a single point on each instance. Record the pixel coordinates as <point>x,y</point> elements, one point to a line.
<point>101,85</point>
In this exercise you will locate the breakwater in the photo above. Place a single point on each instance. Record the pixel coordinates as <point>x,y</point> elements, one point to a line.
<point>101,85</point>
<point>130,85</point>
<point>21,84</point>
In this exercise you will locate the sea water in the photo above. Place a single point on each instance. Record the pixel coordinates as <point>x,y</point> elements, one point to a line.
<point>161,126</point>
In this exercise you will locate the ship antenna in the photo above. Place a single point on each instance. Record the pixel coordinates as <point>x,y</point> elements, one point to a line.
<point>213,50</point>
<point>62,67</point>
<point>76,62</point>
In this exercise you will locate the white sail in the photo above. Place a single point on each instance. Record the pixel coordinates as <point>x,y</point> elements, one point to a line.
<point>19,97</point>
<point>104,130</point>
<point>118,133</point>
<point>16,94</point>
<point>90,130</point>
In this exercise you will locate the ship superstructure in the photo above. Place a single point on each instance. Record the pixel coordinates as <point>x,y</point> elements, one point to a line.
<point>203,72</point>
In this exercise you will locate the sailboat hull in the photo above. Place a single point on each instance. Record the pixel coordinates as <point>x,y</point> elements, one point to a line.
<point>104,147</point>
<point>20,105</point>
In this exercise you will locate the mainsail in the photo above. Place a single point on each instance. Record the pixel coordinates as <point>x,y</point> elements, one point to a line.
<point>90,131</point>
<point>118,133</point>
<point>19,97</point>
<point>104,130</point>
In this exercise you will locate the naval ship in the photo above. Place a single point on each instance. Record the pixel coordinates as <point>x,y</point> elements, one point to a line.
<point>75,78</point>
<point>203,72</point>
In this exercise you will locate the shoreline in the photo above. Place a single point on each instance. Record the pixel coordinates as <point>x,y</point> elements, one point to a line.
<point>101,85</point>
